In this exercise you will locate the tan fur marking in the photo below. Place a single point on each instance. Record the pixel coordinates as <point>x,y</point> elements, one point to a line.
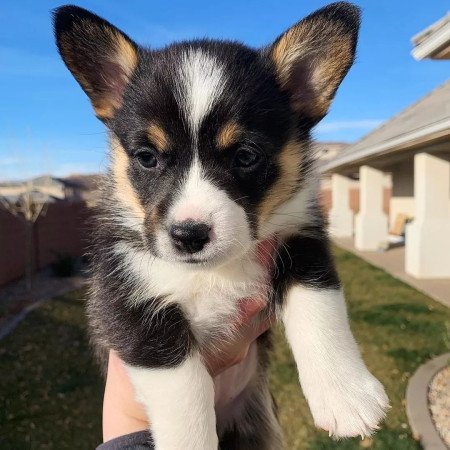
<point>325,52</point>
<point>104,110</point>
<point>289,48</point>
<point>125,192</point>
<point>289,161</point>
<point>118,50</point>
<point>228,134</point>
<point>126,55</point>
<point>158,137</point>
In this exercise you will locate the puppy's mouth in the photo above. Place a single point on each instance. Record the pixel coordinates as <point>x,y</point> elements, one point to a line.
<point>206,258</point>
<point>206,249</point>
<point>196,261</point>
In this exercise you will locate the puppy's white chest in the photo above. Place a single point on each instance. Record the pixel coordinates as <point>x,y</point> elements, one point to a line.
<point>210,299</point>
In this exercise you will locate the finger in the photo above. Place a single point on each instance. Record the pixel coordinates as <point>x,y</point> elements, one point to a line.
<point>260,326</point>
<point>248,308</point>
<point>117,369</point>
<point>248,331</point>
<point>121,412</point>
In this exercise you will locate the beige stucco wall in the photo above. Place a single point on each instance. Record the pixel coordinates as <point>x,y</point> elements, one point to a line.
<point>402,199</point>
<point>427,252</point>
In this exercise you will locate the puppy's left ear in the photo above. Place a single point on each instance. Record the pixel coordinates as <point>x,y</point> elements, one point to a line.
<point>313,57</point>
<point>100,56</point>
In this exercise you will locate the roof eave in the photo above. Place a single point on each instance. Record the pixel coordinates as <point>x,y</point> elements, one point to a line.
<point>433,44</point>
<point>416,137</point>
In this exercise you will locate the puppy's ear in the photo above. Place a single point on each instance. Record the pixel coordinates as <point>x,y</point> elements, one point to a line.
<point>100,57</point>
<point>313,56</point>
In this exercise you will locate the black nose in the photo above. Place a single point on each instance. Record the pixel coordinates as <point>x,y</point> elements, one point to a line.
<point>189,236</point>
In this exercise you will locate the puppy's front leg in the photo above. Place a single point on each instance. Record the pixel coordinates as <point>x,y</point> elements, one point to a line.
<point>166,370</point>
<point>180,404</point>
<point>344,398</point>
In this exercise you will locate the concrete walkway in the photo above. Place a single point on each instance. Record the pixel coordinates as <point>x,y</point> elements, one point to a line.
<point>393,262</point>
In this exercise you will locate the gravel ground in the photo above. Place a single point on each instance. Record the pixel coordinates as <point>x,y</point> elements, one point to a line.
<point>439,401</point>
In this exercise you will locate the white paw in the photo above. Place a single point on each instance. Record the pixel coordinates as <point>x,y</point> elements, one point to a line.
<point>349,406</point>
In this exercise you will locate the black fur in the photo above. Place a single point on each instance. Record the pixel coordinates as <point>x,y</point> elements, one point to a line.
<point>305,259</point>
<point>145,334</point>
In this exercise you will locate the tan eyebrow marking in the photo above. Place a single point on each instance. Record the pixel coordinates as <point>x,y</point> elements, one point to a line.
<point>158,137</point>
<point>228,134</point>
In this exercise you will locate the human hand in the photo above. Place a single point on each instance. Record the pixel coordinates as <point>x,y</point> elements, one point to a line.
<point>122,414</point>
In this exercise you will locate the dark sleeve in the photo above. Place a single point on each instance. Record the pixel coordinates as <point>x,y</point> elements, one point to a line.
<point>141,440</point>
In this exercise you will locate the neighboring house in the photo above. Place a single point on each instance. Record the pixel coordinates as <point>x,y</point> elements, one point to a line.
<point>327,151</point>
<point>45,185</point>
<point>75,188</point>
<point>413,150</point>
<point>85,187</point>
<point>63,228</point>
<point>433,42</point>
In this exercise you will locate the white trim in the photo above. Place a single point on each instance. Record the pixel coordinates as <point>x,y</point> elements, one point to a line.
<point>432,43</point>
<point>396,143</point>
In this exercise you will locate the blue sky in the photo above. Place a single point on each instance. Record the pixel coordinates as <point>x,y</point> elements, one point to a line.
<point>46,122</point>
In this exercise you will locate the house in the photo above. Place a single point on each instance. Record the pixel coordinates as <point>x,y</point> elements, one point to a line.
<point>411,152</point>
<point>433,42</point>
<point>327,151</point>
<point>74,188</point>
<point>85,187</point>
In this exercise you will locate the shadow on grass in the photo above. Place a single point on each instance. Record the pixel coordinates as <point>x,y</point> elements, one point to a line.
<point>50,388</point>
<point>382,315</point>
<point>385,440</point>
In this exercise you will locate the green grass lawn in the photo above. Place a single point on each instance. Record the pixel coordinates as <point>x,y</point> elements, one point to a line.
<point>51,393</point>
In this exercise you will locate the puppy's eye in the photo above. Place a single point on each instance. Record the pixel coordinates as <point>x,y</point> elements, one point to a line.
<point>146,159</point>
<point>246,158</point>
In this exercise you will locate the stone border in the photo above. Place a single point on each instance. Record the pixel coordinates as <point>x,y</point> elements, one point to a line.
<point>417,409</point>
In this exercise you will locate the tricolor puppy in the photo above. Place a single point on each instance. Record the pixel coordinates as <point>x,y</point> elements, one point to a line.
<point>210,155</point>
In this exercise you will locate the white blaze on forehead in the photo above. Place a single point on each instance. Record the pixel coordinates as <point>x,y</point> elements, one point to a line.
<point>202,82</point>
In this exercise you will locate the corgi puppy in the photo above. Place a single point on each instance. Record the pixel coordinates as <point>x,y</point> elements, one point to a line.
<point>210,156</point>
